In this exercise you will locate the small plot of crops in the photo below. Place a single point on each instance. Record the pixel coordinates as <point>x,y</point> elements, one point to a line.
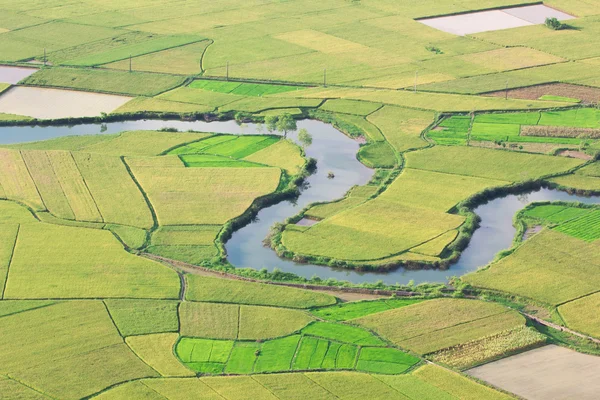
<point>143,143</point>
<point>319,346</point>
<point>181,60</point>
<point>555,214</point>
<point>488,163</point>
<point>451,131</point>
<point>355,196</point>
<point>569,127</point>
<point>108,81</point>
<point>52,261</point>
<point>586,227</point>
<point>580,314</point>
<point>196,195</point>
<point>537,270</point>
<point>434,325</point>
<point>347,311</point>
<point>156,350</point>
<point>243,322</point>
<point>204,288</point>
<point>471,354</point>
<point>579,222</point>
<point>152,45</point>
<point>140,317</point>
<point>243,89</point>
<point>187,243</point>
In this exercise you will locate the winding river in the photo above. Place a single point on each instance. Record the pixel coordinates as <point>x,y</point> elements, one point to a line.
<point>335,153</point>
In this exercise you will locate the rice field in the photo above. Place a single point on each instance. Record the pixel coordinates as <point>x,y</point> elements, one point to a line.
<point>487,163</point>
<point>233,321</point>
<point>348,311</point>
<point>321,346</point>
<point>185,195</point>
<point>448,322</point>
<point>209,289</point>
<point>53,261</point>
<point>536,270</point>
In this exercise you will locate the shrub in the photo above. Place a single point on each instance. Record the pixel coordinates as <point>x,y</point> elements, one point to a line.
<point>554,24</point>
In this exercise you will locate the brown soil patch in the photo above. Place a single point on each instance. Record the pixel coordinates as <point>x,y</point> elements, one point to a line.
<point>550,372</point>
<point>575,154</point>
<point>532,231</point>
<point>585,93</point>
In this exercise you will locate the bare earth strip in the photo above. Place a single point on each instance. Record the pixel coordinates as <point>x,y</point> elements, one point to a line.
<point>550,372</point>
<point>44,103</point>
<point>586,94</point>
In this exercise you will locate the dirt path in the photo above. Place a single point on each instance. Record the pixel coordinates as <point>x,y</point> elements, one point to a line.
<point>343,293</point>
<point>559,327</point>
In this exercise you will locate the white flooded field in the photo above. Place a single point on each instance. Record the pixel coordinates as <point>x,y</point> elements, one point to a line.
<point>44,103</point>
<point>550,372</point>
<point>14,75</point>
<point>493,20</point>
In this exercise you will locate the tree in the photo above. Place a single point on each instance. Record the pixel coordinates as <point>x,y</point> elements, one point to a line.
<point>286,123</point>
<point>304,137</point>
<point>554,24</point>
<point>271,122</point>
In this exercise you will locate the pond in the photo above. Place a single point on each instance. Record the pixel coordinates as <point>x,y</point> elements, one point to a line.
<point>335,153</point>
<point>14,75</point>
<point>44,103</point>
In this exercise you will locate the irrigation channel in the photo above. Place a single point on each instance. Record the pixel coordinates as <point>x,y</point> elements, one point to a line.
<point>335,153</point>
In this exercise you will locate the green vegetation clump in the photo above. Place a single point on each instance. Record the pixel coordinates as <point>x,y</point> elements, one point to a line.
<point>554,24</point>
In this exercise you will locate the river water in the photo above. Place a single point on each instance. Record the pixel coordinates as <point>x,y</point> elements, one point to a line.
<point>335,153</point>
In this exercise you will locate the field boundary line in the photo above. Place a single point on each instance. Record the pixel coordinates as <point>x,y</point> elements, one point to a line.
<point>559,327</point>
<point>319,385</point>
<point>239,321</point>
<point>152,389</point>
<point>211,388</point>
<point>143,193</point>
<point>141,55</point>
<point>125,342</point>
<point>112,319</point>
<point>576,298</point>
<point>33,181</point>
<point>62,189</point>
<point>29,387</point>
<point>87,187</point>
<point>266,388</point>
<point>203,55</point>
<point>458,324</point>
<point>12,254</point>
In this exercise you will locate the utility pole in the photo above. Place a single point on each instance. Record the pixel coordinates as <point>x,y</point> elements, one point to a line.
<point>506,91</point>
<point>130,63</point>
<point>416,77</point>
<point>325,77</point>
<point>44,56</point>
<point>227,71</point>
